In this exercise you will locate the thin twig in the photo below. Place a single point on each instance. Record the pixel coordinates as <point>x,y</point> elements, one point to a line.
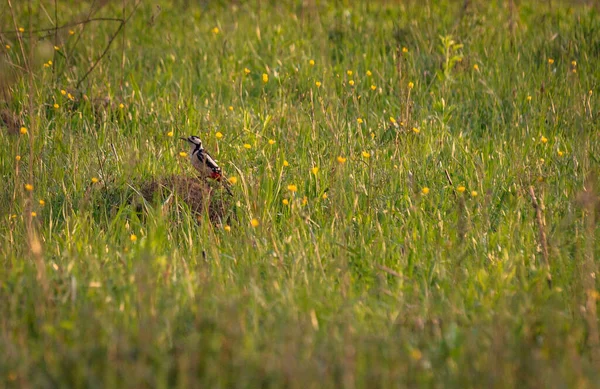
<point>67,25</point>
<point>101,56</point>
<point>108,45</point>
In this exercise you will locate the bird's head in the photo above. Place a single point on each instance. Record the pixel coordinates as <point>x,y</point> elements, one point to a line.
<point>194,141</point>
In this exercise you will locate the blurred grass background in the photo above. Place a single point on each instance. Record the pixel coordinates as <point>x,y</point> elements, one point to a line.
<point>382,156</point>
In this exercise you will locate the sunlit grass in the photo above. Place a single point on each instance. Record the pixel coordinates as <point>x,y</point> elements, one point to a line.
<point>381,231</point>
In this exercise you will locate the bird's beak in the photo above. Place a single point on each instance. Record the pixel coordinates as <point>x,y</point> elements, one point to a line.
<point>183,138</point>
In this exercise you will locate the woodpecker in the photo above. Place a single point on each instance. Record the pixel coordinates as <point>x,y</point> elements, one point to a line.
<point>204,163</point>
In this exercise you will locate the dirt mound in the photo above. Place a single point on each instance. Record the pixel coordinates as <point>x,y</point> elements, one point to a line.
<point>200,196</point>
<point>10,121</point>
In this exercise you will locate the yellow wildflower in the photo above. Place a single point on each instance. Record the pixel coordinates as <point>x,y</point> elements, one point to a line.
<point>285,202</point>
<point>33,214</point>
<point>366,154</point>
<point>286,163</point>
<point>121,106</point>
<point>219,135</point>
<point>95,180</point>
<point>351,82</point>
<point>28,187</point>
<point>349,72</point>
<point>544,139</point>
<point>170,134</point>
<point>474,193</point>
<point>133,237</point>
<point>318,84</point>
<point>231,107</point>
<point>7,47</point>
<point>425,190</point>
<point>233,180</point>
<point>324,196</point>
<point>311,62</point>
<point>23,130</point>
<point>404,50</point>
<point>21,29</point>
<point>56,48</point>
<point>416,130</point>
<point>393,119</point>
<point>56,106</point>
<point>560,153</point>
<point>292,188</point>
<point>314,170</point>
<point>341,159</point>
<point>71,32</point>
<point>373,87</point>
<point>271,141</point>
<point>369,74</point>
<point>416,355</point>
<point>182,154</point>
<point>265,78</point>
<point>359,120</point>
<point>63,92</point>
<point>550,61</point>
<point>461,189</point>
<point>411,85</point>
<point>529,98</point>
<point>42,202</point>
<point>254,222</point>
<point>215,30</point>
<point>18,158</point>
<point>247,146</point>
<point>227,228</point>
<point>476,67</point>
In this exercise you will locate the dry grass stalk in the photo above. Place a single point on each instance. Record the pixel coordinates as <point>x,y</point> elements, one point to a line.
<point>541,224</point>
<point>589,199</point>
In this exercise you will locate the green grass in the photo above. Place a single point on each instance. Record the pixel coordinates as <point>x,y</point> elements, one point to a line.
<point>362,279</point>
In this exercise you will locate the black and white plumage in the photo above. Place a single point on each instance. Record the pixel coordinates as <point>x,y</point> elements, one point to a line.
<point>202,161</point>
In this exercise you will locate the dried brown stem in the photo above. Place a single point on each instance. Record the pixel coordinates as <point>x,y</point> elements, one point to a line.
<point>541,224</point>
<point>589,201</point>
<point>390,271</point>
<point>450,181</point>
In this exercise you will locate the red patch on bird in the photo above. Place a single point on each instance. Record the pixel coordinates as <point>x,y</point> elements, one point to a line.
<point>215,176</point>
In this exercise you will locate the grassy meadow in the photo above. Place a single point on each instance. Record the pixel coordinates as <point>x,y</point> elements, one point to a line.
<point>415,194</point>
